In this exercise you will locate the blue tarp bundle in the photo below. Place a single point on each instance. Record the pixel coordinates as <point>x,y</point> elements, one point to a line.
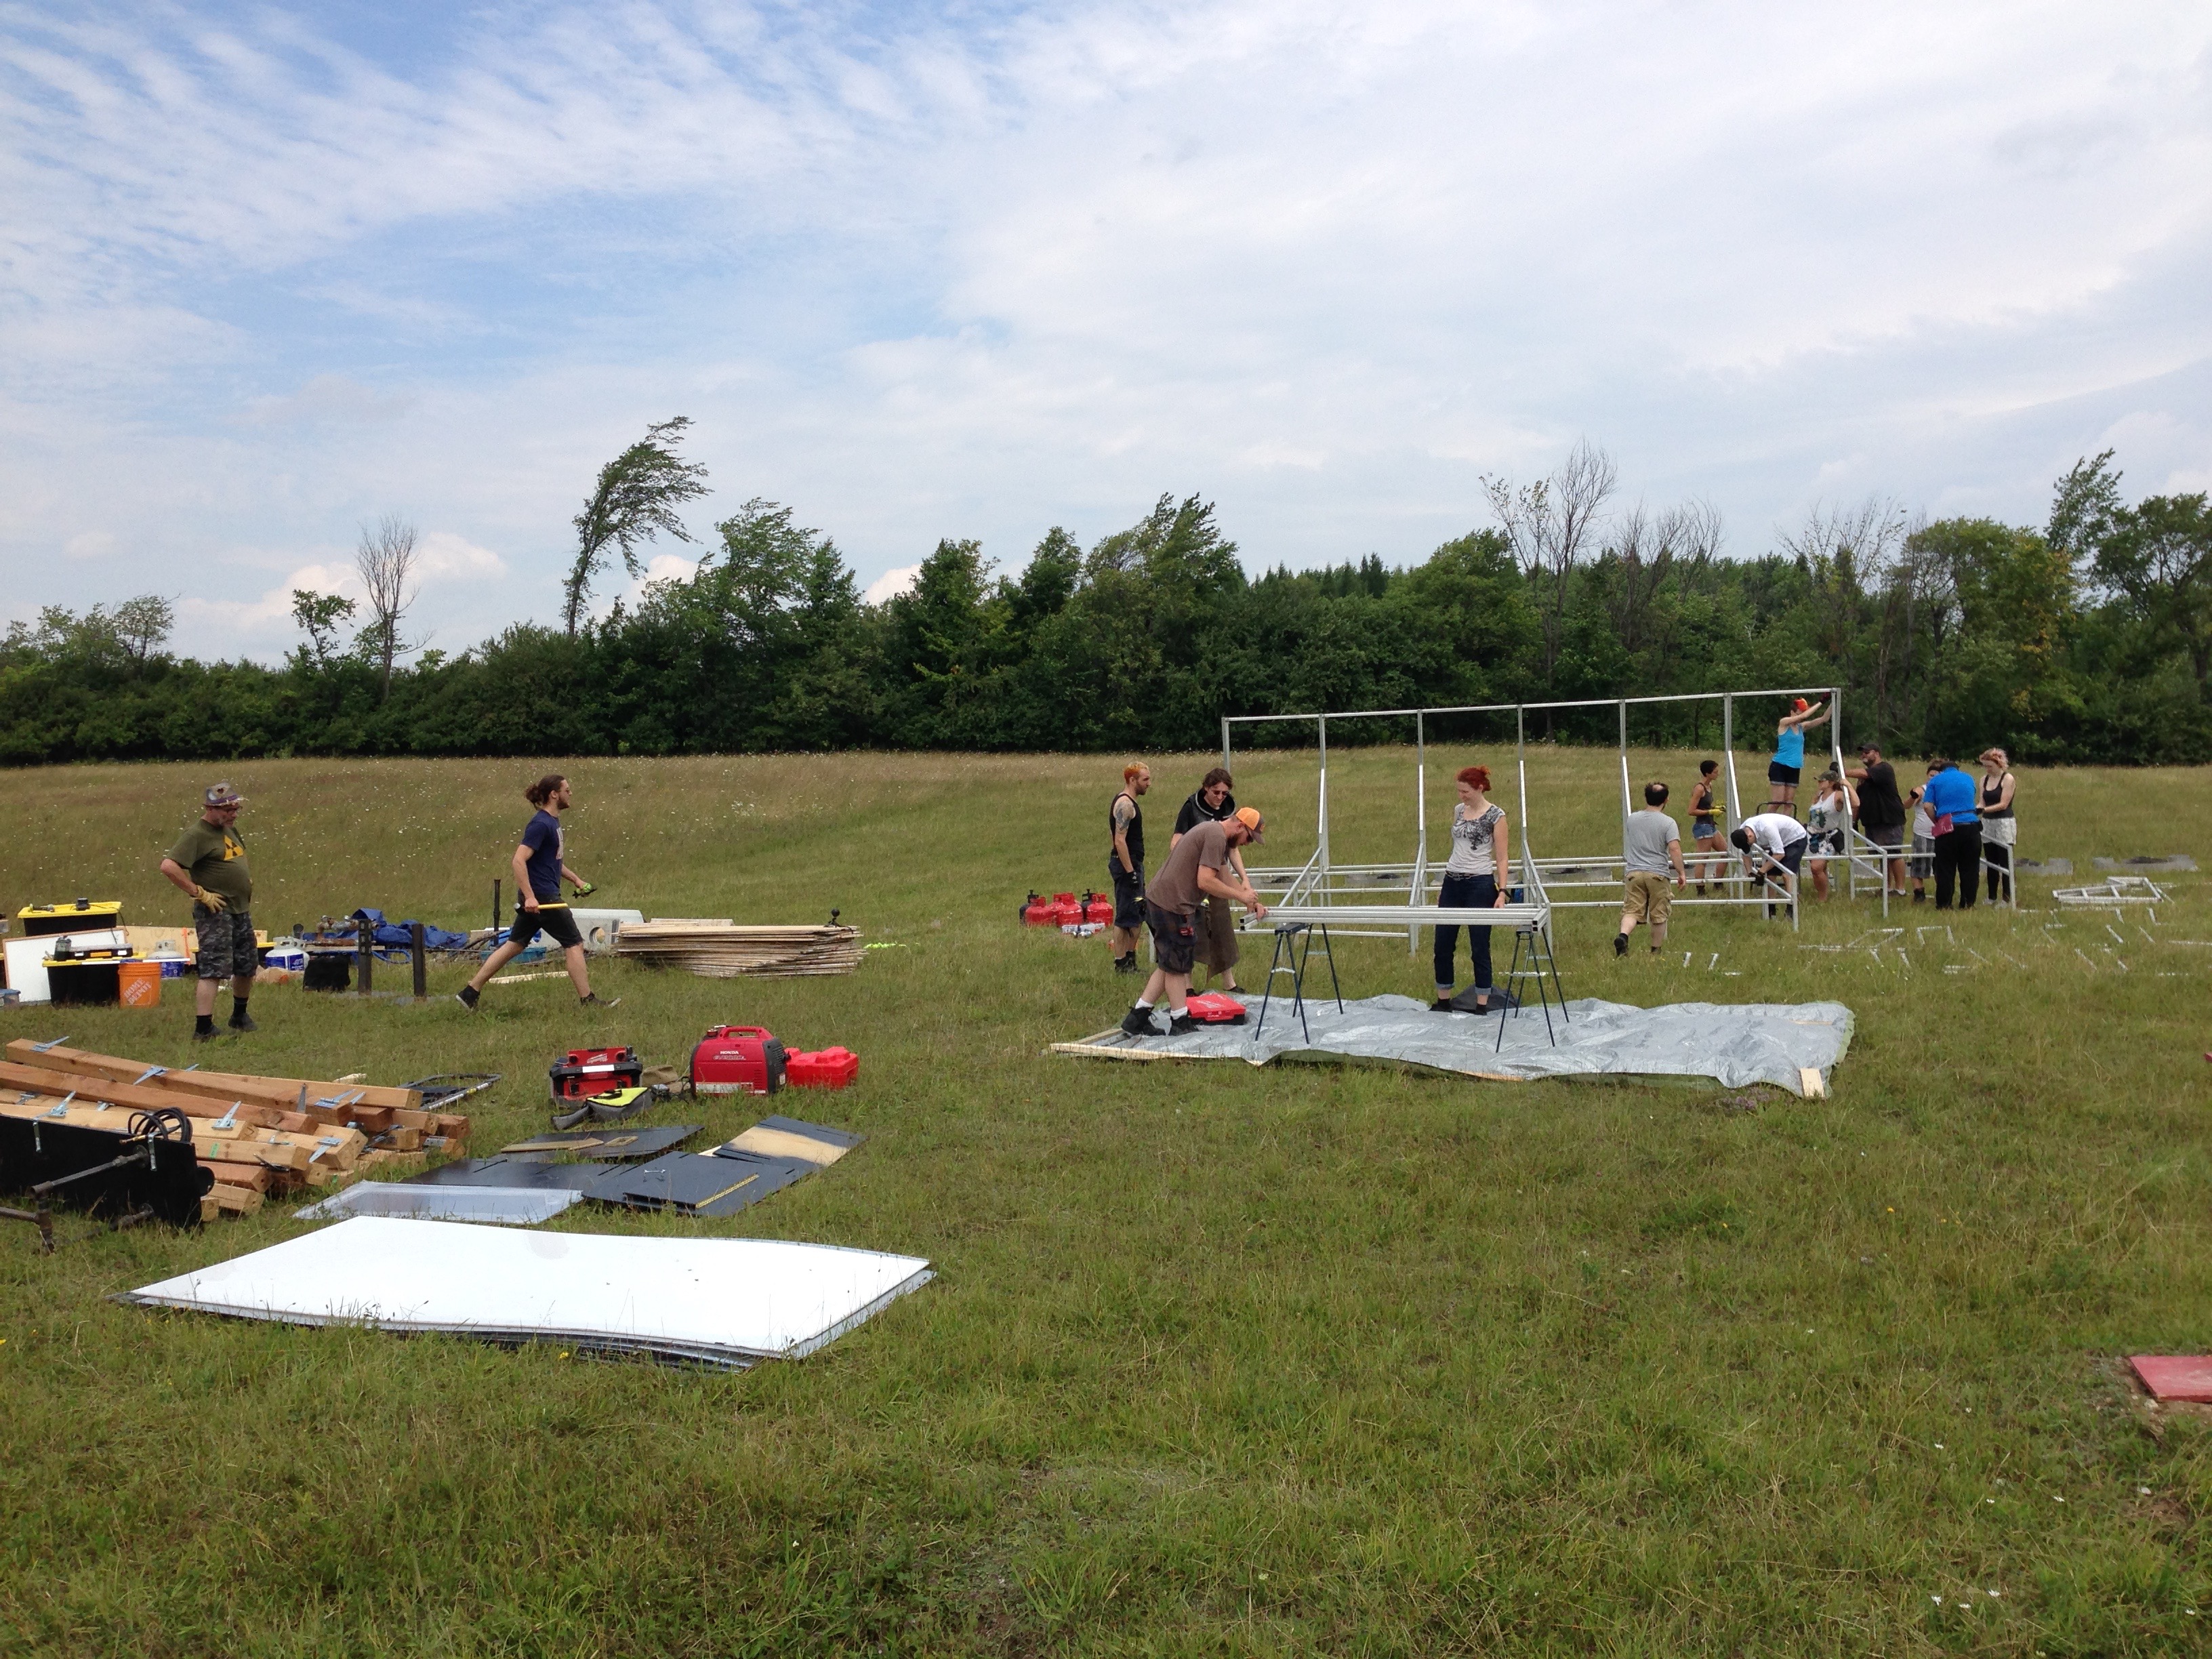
<point>400,935</point>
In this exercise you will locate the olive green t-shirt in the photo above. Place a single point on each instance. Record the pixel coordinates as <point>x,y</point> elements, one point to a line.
<point>215,860</point>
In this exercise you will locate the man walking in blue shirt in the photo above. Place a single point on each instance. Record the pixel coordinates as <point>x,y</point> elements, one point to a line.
<point>1953,804</point>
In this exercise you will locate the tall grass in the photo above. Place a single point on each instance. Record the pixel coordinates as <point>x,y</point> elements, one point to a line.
<point>1222,1359</point>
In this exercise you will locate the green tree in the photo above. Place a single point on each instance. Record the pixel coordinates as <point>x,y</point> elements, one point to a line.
<point>635,501</point>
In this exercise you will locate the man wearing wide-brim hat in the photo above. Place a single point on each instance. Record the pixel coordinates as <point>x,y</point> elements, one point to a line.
<point>208,864</point>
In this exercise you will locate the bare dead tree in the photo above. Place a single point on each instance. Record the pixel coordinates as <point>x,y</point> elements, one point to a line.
<point>386,563</point>
<point>1645,547</point>
<point>1550,526</point>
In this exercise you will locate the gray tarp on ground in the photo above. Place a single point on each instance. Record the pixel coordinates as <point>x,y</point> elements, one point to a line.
<point>1735,1044</point>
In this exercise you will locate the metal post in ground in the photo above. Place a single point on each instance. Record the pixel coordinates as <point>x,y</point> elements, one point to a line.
<point>421,959</point>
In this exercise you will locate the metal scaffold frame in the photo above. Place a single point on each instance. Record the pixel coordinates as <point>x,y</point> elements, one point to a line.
<point>1344,895</point>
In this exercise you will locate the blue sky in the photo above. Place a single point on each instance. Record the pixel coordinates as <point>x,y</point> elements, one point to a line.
<point>268,273</point>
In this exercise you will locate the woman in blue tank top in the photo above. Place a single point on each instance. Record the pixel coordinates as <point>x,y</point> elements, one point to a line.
<point>1788,763</point>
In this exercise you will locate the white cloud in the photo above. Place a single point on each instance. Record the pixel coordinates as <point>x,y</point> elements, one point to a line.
<point>331,398</point>
<point>446,557</point>
<point>1325,265</point>
<point>892,583</point>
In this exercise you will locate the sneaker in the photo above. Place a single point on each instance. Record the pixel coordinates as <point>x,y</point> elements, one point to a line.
<point>1444,1006</point>
<point>1920,896</point>
<point>1181,1025</point>
<point>207,1036</point>
<point>1126,964</point>
<point>1138,1022</point>
<point>595,1000</point>
<point>243,1022</point>
<point>468,996</point>
<point>1701,889</point>
<point>1620,944</point>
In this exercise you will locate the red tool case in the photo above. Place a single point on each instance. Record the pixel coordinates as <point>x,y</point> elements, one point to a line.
<point>582,1073</point>
<point>1215,1008</point>
<point>738,1060</point>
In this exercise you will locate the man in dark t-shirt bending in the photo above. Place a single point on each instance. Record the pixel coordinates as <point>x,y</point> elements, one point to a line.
<point>1199,865</point>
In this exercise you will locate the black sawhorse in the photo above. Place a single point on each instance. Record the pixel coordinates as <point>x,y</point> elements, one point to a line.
<point>1532,958</point>
<point>1290,958</point>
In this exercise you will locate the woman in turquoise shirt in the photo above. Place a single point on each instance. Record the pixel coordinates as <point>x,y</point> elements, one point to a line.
<point>1789,762</point>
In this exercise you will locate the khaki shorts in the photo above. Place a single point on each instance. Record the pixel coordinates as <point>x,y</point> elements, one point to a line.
<point>1217,934</point>
<point>1647,897</point>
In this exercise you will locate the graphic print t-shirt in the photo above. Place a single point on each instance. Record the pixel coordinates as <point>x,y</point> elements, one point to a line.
<point>1472,853</point>
<point>215,860</point>
<point>542,838</point>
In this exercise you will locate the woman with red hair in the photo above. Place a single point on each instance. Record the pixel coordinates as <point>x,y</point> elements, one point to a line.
<point>1477,877</point>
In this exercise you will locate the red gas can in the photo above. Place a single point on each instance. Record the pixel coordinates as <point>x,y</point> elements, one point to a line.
<point>1097,910</point>
<point>1067,911</point>
<point>823,1068</point>
<point>738,1060</point>
<point>1041,913</point>
<point>582,1073</point>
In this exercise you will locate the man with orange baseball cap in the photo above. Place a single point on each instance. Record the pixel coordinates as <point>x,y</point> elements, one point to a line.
<point>1199,864</point>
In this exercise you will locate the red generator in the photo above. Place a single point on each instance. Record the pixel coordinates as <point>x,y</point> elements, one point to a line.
<point>823,1068</point>
<point>582,1073</point>
<point>738,1060</point>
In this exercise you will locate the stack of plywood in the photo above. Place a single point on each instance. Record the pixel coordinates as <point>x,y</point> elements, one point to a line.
<point>720,948</point>
<point>260,1135</point>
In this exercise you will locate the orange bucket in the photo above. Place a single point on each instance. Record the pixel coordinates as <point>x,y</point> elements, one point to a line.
<point>138,984</point>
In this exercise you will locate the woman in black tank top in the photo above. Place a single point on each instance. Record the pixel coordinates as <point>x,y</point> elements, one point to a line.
<point>1999,830</point>
<point>1705,828</point>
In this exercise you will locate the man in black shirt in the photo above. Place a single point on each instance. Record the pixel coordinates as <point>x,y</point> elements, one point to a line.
<point>1125,865</point>
<point>1882,813</point>
<point>1217,934</point>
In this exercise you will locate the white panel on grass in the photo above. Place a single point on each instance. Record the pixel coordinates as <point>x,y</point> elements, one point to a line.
<point>724,1302</point>
<point>27,958</point>
<point>511,1207</point>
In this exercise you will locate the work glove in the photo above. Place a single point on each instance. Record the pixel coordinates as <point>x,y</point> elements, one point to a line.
<point>586,889</point>
<point>215,902</point>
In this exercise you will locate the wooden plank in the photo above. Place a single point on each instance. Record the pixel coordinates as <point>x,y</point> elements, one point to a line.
<point>237,1175</point>
<point>281,1091</point>
<point>235,1201</point>
<point>144,1098</point>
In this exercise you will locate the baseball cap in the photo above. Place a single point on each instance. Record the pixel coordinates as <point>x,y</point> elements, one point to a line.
<point>222,795</point>
<point>1869,749</point>
<point>1249,818</point>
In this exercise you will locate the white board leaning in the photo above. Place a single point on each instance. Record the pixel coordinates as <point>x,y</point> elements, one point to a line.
<point>727,1303</point>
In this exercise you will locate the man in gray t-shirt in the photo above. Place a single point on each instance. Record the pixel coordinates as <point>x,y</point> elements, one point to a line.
<point>1652,848</point>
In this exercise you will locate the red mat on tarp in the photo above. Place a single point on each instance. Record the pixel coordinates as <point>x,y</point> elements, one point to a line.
<point>2175,1376</point>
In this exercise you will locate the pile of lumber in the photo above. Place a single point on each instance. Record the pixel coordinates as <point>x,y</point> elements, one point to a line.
<point>720,948</point>
<point>262,1136</point>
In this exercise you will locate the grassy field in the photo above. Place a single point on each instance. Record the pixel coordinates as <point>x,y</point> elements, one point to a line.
<point>1222,1360</point>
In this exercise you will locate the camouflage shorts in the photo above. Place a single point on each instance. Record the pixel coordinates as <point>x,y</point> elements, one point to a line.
<point>226,943</point>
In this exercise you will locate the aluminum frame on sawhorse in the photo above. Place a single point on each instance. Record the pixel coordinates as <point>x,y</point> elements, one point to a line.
<point>1318,884</point>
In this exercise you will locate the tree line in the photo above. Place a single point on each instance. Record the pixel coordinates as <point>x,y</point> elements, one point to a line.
<point>2089,639</point>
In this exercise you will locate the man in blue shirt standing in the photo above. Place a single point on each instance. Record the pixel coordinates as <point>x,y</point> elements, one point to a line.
<point>538,907</point>
<point>1953,804</point>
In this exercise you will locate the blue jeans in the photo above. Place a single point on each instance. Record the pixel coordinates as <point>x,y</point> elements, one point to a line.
<point>1470,893</point>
